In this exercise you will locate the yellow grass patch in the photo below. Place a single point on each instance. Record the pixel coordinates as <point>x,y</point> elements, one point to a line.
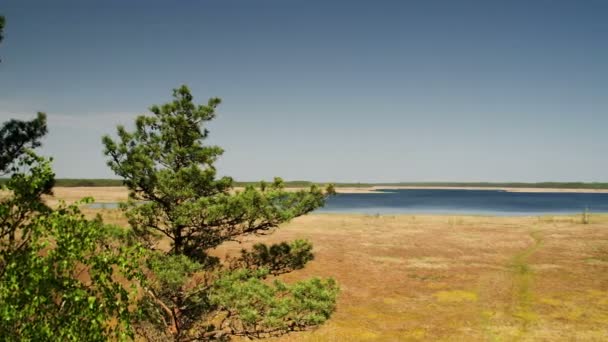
<point>455,296</point>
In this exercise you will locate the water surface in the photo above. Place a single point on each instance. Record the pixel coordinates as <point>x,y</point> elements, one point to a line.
<point>457,201</point>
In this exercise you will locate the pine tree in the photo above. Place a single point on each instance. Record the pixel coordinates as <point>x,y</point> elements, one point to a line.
<point>173,187</point>
<point>175,194</point>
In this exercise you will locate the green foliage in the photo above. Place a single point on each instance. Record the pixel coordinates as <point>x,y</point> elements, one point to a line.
<point>62,285</point>
<point>57,269</point>
<point>258,309</point>
<point>278,258</point>
<point>60,274</point>
<point>26,189</point>
<point>31,178</point>
<point>18,136</point>
<point>171,272</point>
<point>174,299</point>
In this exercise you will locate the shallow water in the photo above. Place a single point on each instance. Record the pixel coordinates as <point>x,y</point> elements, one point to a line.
<point>475,202</point>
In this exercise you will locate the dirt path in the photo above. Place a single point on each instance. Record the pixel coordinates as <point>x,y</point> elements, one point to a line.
<point>523,277</point>
<point>506,296</point>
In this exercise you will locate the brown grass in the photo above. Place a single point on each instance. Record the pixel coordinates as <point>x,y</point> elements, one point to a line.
<point>453,278</point>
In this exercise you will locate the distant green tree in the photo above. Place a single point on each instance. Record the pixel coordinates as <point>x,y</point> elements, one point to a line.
<point>175,194</point>
<point>17,136</point>
<point>58,270</point>
<point>2,21</point>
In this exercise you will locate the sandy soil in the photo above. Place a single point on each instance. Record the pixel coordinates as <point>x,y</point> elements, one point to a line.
<point>453,278</point>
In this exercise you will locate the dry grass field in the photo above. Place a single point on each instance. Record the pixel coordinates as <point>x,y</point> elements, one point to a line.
<point>453,278</point>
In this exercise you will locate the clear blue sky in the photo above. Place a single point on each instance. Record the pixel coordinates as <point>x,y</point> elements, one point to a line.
<point>368,91</point>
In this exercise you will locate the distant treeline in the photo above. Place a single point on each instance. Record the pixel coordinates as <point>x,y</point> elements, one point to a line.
<point>70,182</point>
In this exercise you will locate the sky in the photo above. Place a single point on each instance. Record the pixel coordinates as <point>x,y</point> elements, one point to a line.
<point>328,91</point>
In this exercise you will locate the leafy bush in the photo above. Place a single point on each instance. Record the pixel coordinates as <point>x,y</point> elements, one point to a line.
<point>61,276</point>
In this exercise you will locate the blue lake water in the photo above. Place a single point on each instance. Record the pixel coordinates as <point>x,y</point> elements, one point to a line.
<point>473,202</point>
<point>476,202</point>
